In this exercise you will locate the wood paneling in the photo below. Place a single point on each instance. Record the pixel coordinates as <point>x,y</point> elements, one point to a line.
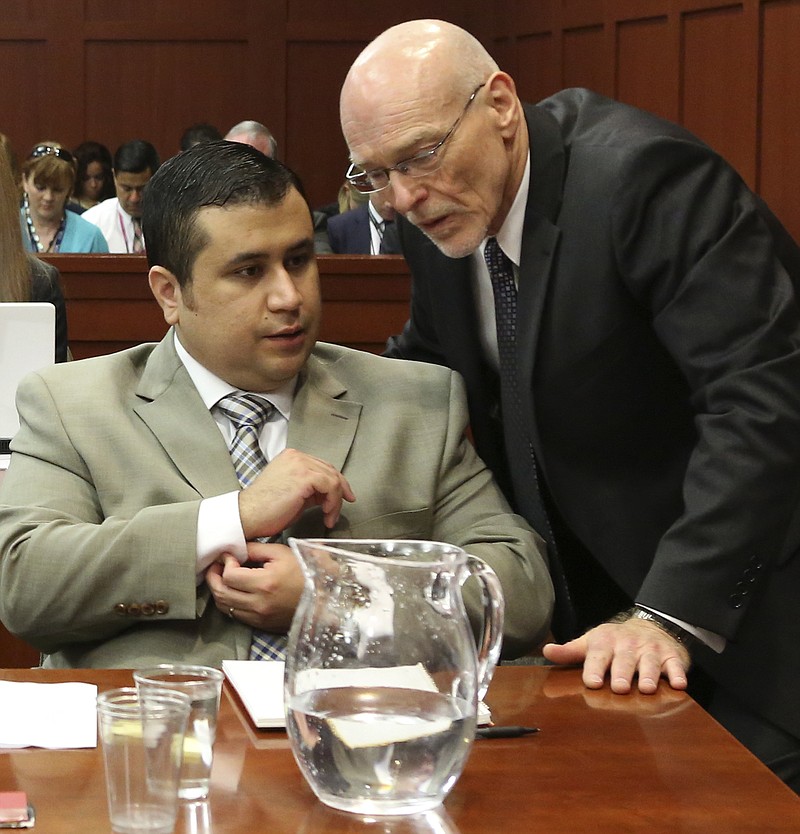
<point>725,69</point>
<point>110,306</point>
<point>779,180</point>
<point>719,86</point>
<point>648,66</point>
<point>112,70</point>
<point>587,59</point>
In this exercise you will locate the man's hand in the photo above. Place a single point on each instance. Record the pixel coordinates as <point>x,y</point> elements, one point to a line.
<point>625,649</point>
<point>263,597</point>
<point>289,484</point>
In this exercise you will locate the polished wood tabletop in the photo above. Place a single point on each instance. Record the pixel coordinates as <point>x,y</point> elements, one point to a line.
<point>601,763</point>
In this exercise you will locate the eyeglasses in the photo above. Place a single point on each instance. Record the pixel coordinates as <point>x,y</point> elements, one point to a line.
<point>419,165</point>
<point>49,150</point>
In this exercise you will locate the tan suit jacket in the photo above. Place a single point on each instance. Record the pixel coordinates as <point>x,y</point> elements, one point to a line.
<point>114,455</point>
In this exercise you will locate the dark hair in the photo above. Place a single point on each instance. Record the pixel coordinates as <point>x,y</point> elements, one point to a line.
<point>86,153</point>
<point>210,174</point>
<point>136,156</point>
<point>201,132</point>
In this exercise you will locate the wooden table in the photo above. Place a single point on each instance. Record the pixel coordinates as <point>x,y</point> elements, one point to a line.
<point>601,763</point>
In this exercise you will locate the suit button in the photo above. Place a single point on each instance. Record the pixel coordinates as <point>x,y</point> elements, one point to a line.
<point>134,609</point>
<point>162,606</point>
<point>736,600</point>
<point>121,609</point>
<point>148,609</point>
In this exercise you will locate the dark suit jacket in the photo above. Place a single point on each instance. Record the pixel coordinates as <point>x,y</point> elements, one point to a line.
<point>658,340</point>
<point>349,234</point>
<point>46,286</point>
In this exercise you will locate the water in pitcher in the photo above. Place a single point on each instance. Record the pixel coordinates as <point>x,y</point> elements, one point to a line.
<point>380,750</point>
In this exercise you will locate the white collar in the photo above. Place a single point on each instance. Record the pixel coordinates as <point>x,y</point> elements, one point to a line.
<point>510,234</point>
<point>212,389</point>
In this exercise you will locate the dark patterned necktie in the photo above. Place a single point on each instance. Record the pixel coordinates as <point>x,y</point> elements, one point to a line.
<point>248,415</point>
<point>501,272</point>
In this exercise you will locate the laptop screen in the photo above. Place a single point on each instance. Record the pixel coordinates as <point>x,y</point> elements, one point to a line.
<point>27,343</point>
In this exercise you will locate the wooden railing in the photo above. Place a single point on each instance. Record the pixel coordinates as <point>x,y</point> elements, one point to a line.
<point>110,306</point>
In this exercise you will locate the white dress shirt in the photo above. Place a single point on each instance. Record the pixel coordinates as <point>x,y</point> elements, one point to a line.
<point>219,527</point>
<point>115,224</point>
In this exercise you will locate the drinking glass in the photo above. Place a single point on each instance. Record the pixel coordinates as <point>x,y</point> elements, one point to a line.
<point>203,685</point>
<point>142,741</point>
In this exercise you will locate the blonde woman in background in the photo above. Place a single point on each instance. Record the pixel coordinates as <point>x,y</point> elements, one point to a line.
<point>48,177</point>
<point>24,277</point>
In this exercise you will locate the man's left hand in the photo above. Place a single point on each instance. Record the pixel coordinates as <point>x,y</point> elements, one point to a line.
<point>623,650</point>
<point>263,597</point>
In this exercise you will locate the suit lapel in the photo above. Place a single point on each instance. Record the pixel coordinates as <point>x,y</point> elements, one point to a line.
<point>539,243</point>
<point>361,231</point>
<point>322,423</point>
<point>173,410</point>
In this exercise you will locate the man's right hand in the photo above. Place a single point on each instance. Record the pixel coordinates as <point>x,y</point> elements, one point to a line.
<point>289,484</point>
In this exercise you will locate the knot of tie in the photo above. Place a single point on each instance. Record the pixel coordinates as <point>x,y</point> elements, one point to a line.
<point>245,410</point>
<point>248,414</point>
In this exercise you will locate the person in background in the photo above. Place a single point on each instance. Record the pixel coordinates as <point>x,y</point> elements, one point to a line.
<point>48,176</point>
<point>119,218</point>
<point>23,277</point>
<point>256,135</point>
<point>201,132</point>
<point>366,229</point>
<point>625,313</point>
<point>7,152</point>
<point>94,181</point>
<point>134,471</point>
<point>259,137</point>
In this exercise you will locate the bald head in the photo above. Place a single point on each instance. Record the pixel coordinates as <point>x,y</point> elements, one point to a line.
<point>423,57</point>
<point>426,89</point>
<point>256,135</point>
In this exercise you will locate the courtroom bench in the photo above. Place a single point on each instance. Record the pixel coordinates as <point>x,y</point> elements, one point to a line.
<point>110,307</point>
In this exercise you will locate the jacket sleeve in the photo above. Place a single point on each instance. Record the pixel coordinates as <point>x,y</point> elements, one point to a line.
<point>65,564</point>
<point>696,250</point>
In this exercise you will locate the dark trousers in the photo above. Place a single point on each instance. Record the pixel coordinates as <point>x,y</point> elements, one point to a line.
<point>779,750</point>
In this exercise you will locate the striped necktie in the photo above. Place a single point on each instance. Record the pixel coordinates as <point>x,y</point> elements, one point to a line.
<point>249,414</point>
<point>138,240</point>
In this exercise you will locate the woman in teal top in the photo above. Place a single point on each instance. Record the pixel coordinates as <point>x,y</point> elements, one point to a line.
<point>48,176</point>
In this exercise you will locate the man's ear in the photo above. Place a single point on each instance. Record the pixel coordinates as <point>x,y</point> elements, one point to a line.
<point>502,95</point>
<point>167,290</point>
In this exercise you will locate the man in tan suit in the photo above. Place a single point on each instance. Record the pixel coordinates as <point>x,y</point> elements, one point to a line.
<point>125,537</point>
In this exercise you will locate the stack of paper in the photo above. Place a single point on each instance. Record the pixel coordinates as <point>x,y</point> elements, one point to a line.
<point>52,715</point>
<point>260,685</point>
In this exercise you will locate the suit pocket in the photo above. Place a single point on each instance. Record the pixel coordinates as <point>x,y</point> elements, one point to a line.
<point>409,524</point>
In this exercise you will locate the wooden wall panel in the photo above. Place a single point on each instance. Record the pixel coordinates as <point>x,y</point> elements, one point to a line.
<point>24,94</point>
<point>719,91</point>
<point>539,66</point>
<point>779,180</point>
<point>721,67</point>
<point>140,89</point>
<point>315,148</point>
<point>587,60</point>
<point>647,67</point>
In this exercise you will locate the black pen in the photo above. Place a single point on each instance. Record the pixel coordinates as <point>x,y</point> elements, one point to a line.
<point>505,732</point>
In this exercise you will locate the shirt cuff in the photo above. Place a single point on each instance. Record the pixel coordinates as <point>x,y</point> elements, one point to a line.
<point>714,641</point>
<point>219,530</point>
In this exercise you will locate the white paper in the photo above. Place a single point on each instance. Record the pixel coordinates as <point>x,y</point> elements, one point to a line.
<point>260,686</point>
<point>55,716</point>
